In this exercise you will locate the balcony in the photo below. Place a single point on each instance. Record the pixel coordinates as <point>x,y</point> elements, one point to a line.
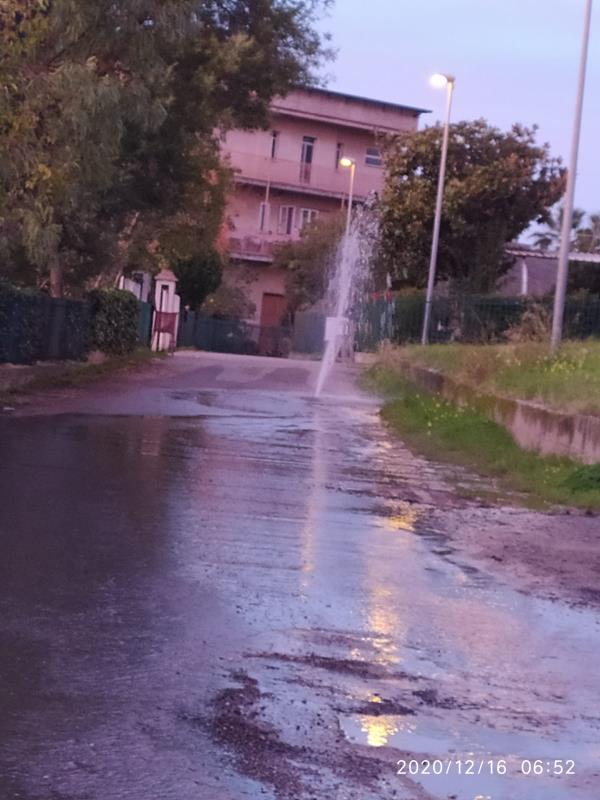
<point>312,179</point>
<point>253,248</point>
<point>257,248</point>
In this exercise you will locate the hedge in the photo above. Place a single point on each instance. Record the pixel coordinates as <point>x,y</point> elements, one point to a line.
<point>35,327</point>
<point>21,334</point>
<point>114,321</point>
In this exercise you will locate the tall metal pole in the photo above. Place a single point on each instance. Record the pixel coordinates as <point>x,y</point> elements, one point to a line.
<point>350,197</point>
<point>562,274</point>
<point>438,213</point>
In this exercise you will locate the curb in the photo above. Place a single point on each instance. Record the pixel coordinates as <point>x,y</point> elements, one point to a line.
<point>532,425</point>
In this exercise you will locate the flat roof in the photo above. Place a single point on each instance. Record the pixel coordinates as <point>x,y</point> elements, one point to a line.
<point>551,255</point>
<point>358,99</point>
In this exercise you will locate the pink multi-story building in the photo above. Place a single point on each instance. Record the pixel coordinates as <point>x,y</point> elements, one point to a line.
<point>291,173</point>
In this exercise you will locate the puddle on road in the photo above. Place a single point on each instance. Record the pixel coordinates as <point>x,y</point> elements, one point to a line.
<point>448,747</point>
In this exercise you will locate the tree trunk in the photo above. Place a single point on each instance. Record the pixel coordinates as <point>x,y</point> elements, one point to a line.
<point>56,279</point>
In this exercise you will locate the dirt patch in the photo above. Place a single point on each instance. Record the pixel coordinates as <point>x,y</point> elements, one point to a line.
<point>259,753</point>
<point>366,770</point>
<point>431,698</point>
<point>384,708</point>
<point>548,555</point>
<point>346,666</point>
<point>308,770</point>
<point>590,596</point>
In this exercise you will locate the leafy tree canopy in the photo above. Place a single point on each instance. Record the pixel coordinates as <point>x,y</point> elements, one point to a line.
<point>496,184</point>
<point>108,117</point>
<point>198,277</point>
<point>229,302</point>
<point>584,279</point>
<point>309,261</point>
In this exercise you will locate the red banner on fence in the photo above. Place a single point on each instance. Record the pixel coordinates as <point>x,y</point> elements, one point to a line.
<point>165,322</point>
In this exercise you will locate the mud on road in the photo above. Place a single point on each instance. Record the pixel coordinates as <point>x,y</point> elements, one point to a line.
<point>215,587</point>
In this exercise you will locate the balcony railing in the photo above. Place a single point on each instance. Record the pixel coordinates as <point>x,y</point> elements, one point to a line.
<point>258,246</point>
<point>305,177</point>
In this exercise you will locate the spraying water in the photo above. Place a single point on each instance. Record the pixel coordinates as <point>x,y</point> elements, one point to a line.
<point>347,286</point>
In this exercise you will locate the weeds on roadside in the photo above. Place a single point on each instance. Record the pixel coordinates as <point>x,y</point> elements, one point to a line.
<point>569,382</point>
<point>76,374</point>
<point>463,436</point>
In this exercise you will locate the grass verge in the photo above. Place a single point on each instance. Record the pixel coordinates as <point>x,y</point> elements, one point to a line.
<point>81,374</point>
<point>448,434</point>
<point>568,382</point>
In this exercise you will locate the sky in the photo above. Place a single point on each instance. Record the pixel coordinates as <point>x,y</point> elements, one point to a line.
<point>514,61</point>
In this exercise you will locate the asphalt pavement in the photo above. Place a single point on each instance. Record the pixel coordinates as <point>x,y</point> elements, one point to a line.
<point>214,586</point>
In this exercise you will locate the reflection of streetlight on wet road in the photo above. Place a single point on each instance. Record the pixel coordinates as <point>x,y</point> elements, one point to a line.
<point>349,163</point>
<point>379,730</point>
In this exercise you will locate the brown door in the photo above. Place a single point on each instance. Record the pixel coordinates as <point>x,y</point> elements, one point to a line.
<point>272,312</point>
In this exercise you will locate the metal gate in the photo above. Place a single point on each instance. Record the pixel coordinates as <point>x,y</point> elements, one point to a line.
<point>233,336</point>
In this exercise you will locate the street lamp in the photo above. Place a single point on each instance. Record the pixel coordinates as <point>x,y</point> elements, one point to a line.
<point>438,81</point>
<point>351,164</point>
<point>562,273</point>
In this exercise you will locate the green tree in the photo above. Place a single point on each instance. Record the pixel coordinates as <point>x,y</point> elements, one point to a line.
<point>584,277</point>
<point>497,184</point>
<point>109,109</point>
<point>198,277</point>
<point>229,302</point>
<point>309,261</point>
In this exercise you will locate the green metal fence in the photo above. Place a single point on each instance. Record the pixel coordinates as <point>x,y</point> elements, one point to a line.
<point>145,324</point>
<point>309,333</point>
<point>469,319</point>
<point>582,319</point>
<point>232,336</point>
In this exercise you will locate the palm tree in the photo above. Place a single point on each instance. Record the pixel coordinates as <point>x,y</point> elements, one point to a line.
<point>549,238</point>
<point>587,240</point>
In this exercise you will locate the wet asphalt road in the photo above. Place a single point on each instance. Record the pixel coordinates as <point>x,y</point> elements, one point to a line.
<point>213,586</point>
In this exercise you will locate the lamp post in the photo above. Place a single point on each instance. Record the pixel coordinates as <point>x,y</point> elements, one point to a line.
<point>438,81</point>
<point>351,163</point>
<point>562,273</point>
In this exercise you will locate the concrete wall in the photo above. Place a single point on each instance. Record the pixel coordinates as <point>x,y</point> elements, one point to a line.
<point>536,275</point>
<point>244,207</point>
<point>249,154</point>
<point>255,280</point>
<point>332,119</point>
<point>260,277</point>
<point>532,426</point>
<point>340,109</point>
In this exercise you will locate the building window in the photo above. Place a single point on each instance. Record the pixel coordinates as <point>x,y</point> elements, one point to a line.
<point>306,158</point>
<point>274,143</point>
<point>373,157</point>
<point>286,219</point>
<point>307,215</point>
<point>264,216</point>
<point>339,153</point>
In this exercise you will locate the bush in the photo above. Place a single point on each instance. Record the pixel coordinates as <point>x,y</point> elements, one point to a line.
<point>534,326</point>
<point>114,321</point>
<point>228,302</point>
